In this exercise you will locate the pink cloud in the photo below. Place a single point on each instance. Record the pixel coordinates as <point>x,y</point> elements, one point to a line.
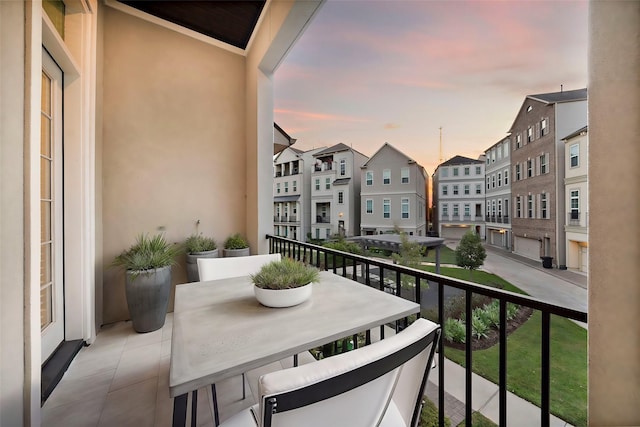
<point>390,126</point>
<point>308,115</point>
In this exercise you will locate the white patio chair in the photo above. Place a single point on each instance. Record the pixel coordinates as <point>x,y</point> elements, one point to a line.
<point>381,384</point>
<point>222,268</point>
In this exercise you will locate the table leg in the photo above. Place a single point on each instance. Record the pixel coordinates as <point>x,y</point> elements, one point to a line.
<point>180,410</point>
<point>216,417</point>
<point>194,407</point>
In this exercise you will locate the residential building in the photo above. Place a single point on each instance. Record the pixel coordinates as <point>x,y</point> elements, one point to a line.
<point>139,136</point>
<point>459,197</point>
<point>292,193</point>
<point>576,181</point>
<point>393,195</point>
<point>498,194</point>
<point>538,159</point>
<point>335,192</point>
<point>281,139</point>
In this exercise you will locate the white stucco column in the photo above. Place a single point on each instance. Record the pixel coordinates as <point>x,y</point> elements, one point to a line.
<point>614,213</point>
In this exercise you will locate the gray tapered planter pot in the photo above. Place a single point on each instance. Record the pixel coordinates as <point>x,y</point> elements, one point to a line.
<point>192,263</point>
<point>236,252</point>
<point>148,297</point>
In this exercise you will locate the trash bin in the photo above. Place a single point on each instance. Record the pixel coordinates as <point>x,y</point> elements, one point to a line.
<point>546,261</point>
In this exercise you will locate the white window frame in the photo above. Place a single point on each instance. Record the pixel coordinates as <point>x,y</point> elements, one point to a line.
<point>529,168</point>
<point>343,167</point>
<point>277,188</point>
<point>467,171</point>
<point>386,177</point>
<point>368,206</point>
<point>478,189</point>
<point>340,197</point>
<point>544,206</point>
<point>317,184</point>
<point>575,155</point>
<point>455,190</point>
<point>286,186</point>
<point>530,206</point>
<point>506,177</point>
<point>404,208</point>
<point>445,190</point>
<point>327,183</point>
<point>445,210</point>
<point>456,210</point>
<point>478,170</point>
<point>386,208</point>
<point>455,172</point>
<point>467,189</point>
<point>499,179</point>
<point>295,186</point>
<point>544,167</point>
<point>404,175</point>
<point>368,178</point>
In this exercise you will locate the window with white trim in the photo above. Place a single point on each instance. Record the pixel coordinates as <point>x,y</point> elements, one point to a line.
<point>529,134</point>
<point>368,178</point>
<point>493,180</point>
<point>543,206</point>
<point>478,170</point>
<point>445,210</point>
<point>455,190</point>
<point>478,189</point>
<point>343,167</point>
<point>295,186</point>
<point>386,208</point>
<point>518,141</point>
<point>327,184</point>
<point>529,168</point>
<point>404,175</point>
<point>575,204</point>
<point>286,187</point>
<point>455,171</point>
<point>456,211</point>
<point>499,179</point>
<point>506,177</point>
<point>404,208</point>
<point>518,177</point>
<point>467,210</point>
<point>530,206</point>
<point>499,208</point>
<point>543,164</point>
<point>544,126</point>
<point>444,172</point>
<point>467,171</point>
<point>445,190</point>
<point>518,207</point>
<point>340,197</point>
<point>369,205</point>
<point>318,184</point>
<point>467,190</point>
<point>386,176</point>
<point>277,188</point>
<point>574,155</point>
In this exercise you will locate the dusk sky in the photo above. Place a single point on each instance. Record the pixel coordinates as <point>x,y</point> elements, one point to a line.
<point>369,72</point>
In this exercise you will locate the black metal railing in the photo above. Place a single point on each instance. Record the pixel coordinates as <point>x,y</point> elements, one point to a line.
<point>348,264</point>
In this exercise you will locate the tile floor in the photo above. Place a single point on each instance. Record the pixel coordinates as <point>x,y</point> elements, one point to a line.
<point>122,380</point>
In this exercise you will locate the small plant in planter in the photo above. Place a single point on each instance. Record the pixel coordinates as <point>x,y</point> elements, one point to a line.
<point>284,283</point>
<point>236,245</point>
<point>148,265</point>
<point>198,246</point>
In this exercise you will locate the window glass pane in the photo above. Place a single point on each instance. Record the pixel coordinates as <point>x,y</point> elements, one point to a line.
<point>45,221</point>
<point>46,304</point>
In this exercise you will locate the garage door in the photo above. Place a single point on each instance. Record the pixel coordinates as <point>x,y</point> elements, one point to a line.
<point>527,247</point>
<point>496,238</point>
<point>453,232</point>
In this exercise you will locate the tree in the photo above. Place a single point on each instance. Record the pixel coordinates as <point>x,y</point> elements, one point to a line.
<point>409,254</point>
<point>470,253</point>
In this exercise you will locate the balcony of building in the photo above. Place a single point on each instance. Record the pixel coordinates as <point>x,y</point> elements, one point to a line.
<point>122,379</point>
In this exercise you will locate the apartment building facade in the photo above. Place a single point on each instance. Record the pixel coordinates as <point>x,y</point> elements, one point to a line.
<point>393,194</point>
<point>292,193</point>
<point>335,192</point>
<point>459,197</point>
<point>537,162</point>
<point>576,181</point>
<point>498,194</point>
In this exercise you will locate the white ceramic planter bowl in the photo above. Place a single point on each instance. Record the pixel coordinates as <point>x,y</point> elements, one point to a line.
<point>283,297</point>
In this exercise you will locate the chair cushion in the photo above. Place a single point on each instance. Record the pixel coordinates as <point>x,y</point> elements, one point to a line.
<point>245,418</point>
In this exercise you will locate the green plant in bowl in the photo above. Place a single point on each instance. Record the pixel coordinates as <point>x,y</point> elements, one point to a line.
<point>197,243</point>
<point>284,274</point>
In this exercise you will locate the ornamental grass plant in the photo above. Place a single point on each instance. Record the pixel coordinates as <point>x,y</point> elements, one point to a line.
<point>197,243</point>
<point>284,274</point>
<point>148,253</point>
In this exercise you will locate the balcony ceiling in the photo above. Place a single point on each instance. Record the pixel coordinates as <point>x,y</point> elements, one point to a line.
<point>231,22</point>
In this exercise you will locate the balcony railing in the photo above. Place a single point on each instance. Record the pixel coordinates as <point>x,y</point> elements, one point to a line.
<point>576,219</point>
<point>293,218</point>
<point>323,219</point>
<point>348,265</point>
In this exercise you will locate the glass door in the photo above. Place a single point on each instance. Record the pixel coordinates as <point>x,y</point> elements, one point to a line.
<point>51,247</point>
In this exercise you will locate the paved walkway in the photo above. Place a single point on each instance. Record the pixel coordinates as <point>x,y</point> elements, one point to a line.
<point>561,287</point>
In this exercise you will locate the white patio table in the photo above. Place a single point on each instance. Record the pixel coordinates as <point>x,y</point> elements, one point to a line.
<point>220,330</point>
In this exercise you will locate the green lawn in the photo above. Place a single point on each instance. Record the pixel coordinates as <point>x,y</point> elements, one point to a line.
<point>447,256</point>
<point>568,357</point>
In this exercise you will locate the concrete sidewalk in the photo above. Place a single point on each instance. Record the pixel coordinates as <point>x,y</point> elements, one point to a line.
<point>484,399</point>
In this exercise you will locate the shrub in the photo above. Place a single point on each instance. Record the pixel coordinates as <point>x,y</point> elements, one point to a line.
<point>512,310</point>
<point>492,314</point>
<point>344,246</point>
<point>454,330</point>
<point>198,243</point>
<point>479,328</point>
<point>236,241</point>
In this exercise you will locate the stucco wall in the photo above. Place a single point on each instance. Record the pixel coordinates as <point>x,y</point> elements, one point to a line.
<point>614,234</point>
<point>172,141</point>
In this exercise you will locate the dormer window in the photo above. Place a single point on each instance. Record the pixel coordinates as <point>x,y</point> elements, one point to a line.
<point>529,108</point>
